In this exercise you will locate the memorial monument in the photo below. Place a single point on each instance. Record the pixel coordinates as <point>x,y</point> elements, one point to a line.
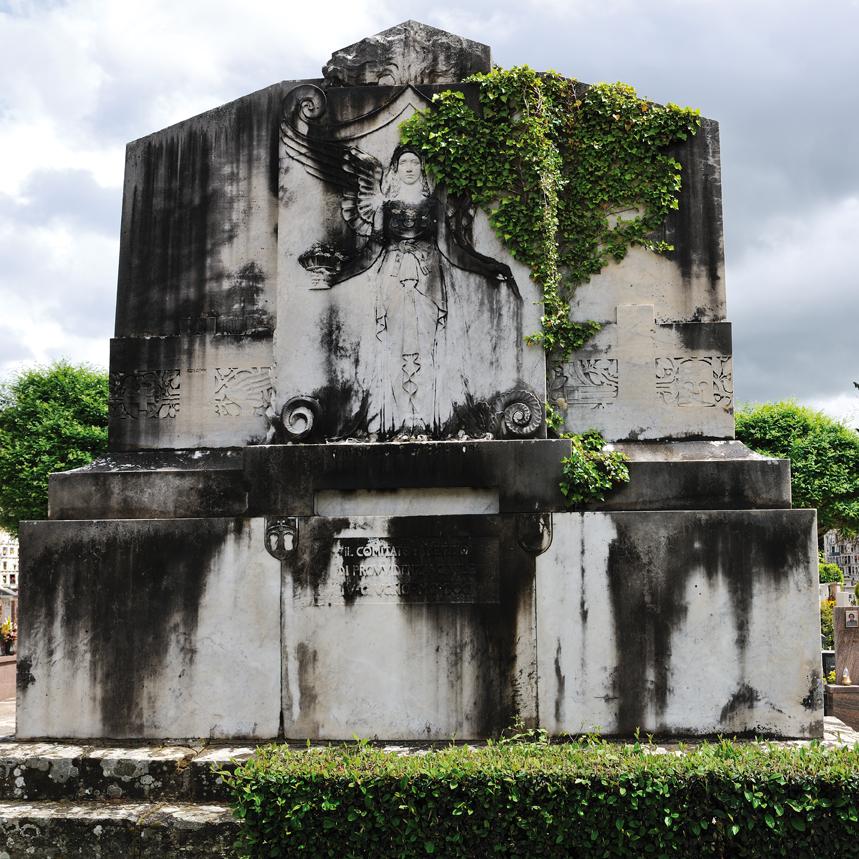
<point>331,505</point>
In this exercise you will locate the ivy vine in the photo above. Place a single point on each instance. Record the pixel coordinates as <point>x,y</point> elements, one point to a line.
<point>570,176</point>
<point>591,470</point>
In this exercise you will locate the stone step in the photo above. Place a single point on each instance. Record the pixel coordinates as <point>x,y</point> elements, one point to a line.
<point>107,830</point>
<point>57,771</point>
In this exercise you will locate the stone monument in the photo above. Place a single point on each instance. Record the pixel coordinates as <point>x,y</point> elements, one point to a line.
<point>330,506</point>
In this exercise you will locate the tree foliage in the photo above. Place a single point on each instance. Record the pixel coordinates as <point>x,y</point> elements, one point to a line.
<point>51,419</point>
<point>830,573</point>
<point>823,454</point>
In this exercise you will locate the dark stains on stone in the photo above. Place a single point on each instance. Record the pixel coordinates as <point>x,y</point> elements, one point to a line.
<point>121,593</point>
<point>745,698</point>
<point>351,554</point>
<point>315,555</point>
<point>560,686</point>
<point>23,675</point>
<point>307,681</point>
<point>708,337</point>
<point>286,477</point>
<point>695,228</point>
<point>648,570</point>
<point>489,629</point>
<point>190,190</point>
<point>168,239</point>
<point>814,699</point>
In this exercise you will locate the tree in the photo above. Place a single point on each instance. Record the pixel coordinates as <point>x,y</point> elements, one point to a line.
<point>830,573</point>
<point>823,454</point>
<point>51,419</point>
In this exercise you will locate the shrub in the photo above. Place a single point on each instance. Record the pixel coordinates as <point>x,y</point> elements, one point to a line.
<point>532,799</point>
<point>830,573</point>
<point>827,628</point>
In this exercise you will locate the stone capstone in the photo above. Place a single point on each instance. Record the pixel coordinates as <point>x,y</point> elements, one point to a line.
<point>410,53</point>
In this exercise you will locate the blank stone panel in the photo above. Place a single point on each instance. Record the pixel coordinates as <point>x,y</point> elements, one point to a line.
<point>148,628</point>
<point>680,623</point>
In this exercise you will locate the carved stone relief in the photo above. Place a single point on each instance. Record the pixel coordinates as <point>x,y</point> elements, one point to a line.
<point>241,391</point>
<point>593,381</point>
<point>411,52</point>
<point>695,381</point>
<point>390,284</point>
<point>141,394</point>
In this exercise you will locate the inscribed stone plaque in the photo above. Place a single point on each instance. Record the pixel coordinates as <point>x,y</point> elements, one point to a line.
<point>411,570</point>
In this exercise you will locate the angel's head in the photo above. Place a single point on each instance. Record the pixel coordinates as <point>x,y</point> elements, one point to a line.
<point>406,169</point>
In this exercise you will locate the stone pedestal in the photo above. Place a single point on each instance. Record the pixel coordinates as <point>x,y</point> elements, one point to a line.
<point>418,592</point>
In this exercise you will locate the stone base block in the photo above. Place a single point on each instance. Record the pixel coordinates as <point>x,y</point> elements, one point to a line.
<point>105,830</point>
<point>149,628</point>
<point>421,628</point>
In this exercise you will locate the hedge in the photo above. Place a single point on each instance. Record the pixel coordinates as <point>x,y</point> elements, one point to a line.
<point>582,799</point>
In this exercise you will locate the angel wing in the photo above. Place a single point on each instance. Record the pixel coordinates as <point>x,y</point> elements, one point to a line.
<point>359,206</point>
<point>357,174</point>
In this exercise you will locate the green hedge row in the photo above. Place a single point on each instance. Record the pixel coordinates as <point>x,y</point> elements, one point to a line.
<point>589,799</point>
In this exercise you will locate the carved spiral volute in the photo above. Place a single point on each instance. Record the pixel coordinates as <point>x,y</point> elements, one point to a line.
<point>300,418</point>
<point>522,415</point>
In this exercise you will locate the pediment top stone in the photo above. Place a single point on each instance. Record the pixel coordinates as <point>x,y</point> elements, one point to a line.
<point>410,53</point>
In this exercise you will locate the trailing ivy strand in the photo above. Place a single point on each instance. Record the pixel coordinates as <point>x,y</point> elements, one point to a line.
<point>569,176</point>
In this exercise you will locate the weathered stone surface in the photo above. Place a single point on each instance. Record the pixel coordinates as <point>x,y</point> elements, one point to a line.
<point>189,391</point>
<point>405,568</point>
<point>148,628</point>
<point>198,218</point>
<point>416,628</point>
<point>639,380</point>
<point>525,474</point>
<point>101,830</point>
<point>661,367</point>
<point>404,479</point>
<point>680,623</point>
<point>152,485</point>
<point>410,53</point>
<point>221,214</point>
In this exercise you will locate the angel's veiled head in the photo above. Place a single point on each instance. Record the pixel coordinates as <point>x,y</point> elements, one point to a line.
<point>406,173</point>
<point>409,168</point>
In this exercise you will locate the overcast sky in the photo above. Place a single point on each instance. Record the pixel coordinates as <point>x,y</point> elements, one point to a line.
<point>80,79</point>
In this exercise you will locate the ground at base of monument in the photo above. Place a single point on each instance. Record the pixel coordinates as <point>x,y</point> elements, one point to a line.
<point>7,719</point>
<point>63,800</point>
<point>128,773</point>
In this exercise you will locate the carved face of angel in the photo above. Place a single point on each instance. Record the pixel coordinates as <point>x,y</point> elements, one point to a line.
<point>409,168</point>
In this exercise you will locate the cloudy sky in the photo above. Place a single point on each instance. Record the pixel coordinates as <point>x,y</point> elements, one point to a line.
<point>81,78</point>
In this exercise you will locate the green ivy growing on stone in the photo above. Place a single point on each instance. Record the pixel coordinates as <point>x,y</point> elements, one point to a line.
<point>570,176</point>
<point>590,470</point>
<point>554,164</point>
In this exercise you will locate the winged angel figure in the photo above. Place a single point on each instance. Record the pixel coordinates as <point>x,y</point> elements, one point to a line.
<point>414,254</point>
